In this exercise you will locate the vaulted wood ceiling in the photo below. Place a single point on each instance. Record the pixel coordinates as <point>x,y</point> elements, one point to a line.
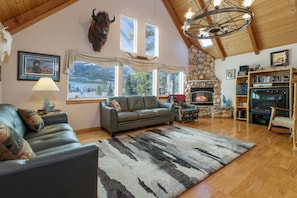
<point>19,14</point>
<point>274,23</point>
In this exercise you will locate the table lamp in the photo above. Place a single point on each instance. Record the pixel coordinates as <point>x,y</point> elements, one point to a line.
<point>45,84</point>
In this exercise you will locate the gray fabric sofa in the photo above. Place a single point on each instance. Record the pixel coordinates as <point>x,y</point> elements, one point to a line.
<point>136,112</point>
<point>62,167</point>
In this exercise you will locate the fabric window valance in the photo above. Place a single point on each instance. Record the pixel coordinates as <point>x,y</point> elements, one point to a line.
<point>136,65</point>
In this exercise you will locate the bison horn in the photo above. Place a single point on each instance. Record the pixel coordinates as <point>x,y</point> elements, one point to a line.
<point>94,15</point>
<point>112,19</point>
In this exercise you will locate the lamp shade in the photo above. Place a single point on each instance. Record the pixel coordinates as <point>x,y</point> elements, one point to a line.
<point>45,84</point>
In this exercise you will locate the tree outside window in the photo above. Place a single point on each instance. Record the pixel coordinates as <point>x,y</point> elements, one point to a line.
<point>136,83</point>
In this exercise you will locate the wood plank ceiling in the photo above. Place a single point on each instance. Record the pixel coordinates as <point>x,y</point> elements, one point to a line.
<point>274,23</point>
<point>19,14</point>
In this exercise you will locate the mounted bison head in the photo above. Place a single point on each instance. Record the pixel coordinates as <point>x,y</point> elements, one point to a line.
<point>5,43</point>
<point>99,29</point>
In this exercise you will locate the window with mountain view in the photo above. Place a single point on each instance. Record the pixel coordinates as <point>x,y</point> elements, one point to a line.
<point>89,81</point>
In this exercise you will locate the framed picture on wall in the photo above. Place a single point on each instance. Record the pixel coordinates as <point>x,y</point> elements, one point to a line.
<point>279,58</point>
<point>32,66</point>
<point>230,74</point>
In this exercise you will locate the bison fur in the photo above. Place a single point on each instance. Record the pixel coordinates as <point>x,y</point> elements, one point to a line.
<point>99,29</point>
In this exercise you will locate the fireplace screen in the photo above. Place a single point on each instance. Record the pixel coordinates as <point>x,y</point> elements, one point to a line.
<point>203,97</point>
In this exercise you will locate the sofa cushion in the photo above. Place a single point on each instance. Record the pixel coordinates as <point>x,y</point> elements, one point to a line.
<point>145,113</point>
<point>18,146</point>
<point>135,103</point>
<point>32,119</point>
<point>115,104</point>
<point>5,154</point>
<point>150,102</point>
<point>48,129</point>
<point>127,116</point>
<point>162,111</point>
<point>52,140</point>
<point>122,100</point>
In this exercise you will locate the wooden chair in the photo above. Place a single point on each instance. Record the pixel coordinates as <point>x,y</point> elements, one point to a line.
<point>287,122</point>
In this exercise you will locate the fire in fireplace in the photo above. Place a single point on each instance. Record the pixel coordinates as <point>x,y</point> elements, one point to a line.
<point>202,96</point>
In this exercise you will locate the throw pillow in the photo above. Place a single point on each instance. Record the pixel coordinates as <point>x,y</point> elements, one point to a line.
<point>5,154</point>
<point>18,146</point>
<point>115,104</point>
<point>32,119</point>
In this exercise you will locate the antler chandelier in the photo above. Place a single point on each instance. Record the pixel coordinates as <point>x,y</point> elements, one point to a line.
<point>217,19</point>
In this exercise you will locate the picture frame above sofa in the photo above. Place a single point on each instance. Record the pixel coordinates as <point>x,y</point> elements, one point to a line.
<point>32,66</point>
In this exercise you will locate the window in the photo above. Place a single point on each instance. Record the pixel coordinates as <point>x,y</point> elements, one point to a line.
<point>137,83</point>
<point>87,81</point>
<point>128,34</point>
<point>170,83</point>
<point>151,40</point>
<point>205,43</point>
<point>90,81</point>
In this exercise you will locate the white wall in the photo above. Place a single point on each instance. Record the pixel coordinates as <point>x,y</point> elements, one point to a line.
<point>68,29</point>
<point>263,58</point>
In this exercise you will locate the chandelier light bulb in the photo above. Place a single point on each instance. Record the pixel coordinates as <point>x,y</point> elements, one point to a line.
<point>246,16</point>
<point>189,14</point>
<point>247,3</point>
<point>217,3</point>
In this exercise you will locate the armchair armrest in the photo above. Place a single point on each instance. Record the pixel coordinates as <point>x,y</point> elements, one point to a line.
<point>279,108</point>
<point>275,109</point>
<point>68,173</point>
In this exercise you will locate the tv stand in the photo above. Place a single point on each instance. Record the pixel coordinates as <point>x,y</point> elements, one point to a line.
<point>259,118</point>
<point>272,79</point>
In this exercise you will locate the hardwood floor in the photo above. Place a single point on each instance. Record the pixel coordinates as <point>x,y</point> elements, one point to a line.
<point>267,170</point>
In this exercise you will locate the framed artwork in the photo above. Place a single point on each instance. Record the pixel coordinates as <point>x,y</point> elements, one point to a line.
<point>280,58</point>
<point>32,66</point>
<point>230,74</point>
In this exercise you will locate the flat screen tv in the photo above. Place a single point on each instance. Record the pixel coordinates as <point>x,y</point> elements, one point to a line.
<point>261,99</point>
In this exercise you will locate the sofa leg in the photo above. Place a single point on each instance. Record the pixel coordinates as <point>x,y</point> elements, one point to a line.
<point>171,123</point>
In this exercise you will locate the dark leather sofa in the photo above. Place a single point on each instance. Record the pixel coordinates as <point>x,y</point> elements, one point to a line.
<point>62,167</point>
<point>136,112</point>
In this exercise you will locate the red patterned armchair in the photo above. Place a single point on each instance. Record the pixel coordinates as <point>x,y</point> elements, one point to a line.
<point>183,112</point>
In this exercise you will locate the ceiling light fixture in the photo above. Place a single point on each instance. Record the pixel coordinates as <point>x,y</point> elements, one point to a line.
<point>218,18</point>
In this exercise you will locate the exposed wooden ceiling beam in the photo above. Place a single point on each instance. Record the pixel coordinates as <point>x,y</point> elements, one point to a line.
<point>36,14</point>
<point>253,39</point>
<point>217,42</point>
<point>176,22</point>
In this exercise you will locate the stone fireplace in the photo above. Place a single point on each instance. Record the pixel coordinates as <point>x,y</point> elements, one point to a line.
<point>202,87</point>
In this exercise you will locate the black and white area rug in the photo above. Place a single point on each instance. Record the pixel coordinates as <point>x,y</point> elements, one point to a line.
<point>162,162</point>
